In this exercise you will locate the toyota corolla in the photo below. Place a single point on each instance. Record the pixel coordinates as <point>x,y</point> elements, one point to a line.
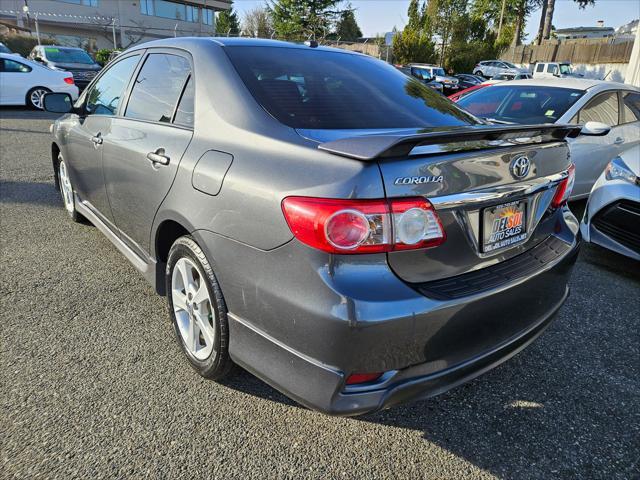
<point>315,216</point>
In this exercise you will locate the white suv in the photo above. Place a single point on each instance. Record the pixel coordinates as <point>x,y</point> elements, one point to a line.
<point>491,68</point>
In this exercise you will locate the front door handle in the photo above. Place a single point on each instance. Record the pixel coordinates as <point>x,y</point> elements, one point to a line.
<point>619,141</point>
<point>158,157</point>
<point>97,139</point>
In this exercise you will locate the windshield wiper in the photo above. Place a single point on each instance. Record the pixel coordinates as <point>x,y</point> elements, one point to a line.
<point>495,120</point>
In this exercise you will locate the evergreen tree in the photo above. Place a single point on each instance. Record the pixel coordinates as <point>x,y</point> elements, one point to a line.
<point>302,19</point>
<point>347,28</point>
<point>227,23</point>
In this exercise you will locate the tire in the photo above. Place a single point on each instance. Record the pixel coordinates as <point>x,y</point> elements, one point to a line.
<point>34,97</point>
<point>479,74</point>
<point>66,190</point>
<point>192,308</point>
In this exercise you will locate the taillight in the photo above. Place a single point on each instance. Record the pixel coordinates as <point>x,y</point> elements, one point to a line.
<point>564,188</point>
<point>69,80</point>
<point>363,226</point>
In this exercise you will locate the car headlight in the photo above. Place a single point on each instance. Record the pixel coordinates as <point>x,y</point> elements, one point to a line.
<point>618,170</point>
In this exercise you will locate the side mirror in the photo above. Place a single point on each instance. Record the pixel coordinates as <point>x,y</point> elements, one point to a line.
<point>595,129</point>
<point>57,102</point>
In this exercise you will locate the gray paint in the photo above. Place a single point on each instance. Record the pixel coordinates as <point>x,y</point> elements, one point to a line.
<point>302,319</point>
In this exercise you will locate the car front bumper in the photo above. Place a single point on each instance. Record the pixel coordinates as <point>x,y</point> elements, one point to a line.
<point>305,330</point>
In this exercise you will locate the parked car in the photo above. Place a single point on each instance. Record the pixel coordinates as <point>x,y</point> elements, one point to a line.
<point>424,77</point>
<point>554,70</point>
<point>506,77</point>
<point>294,233</point>
<point>466,80</point>
<point>70,59</point>
<point>454,97</point>
<point>615,106</point>
<point>450,84</point>
<point>23,82</point>
<point>612,216</point>
<point>491,68</point>
<point>6,50</point>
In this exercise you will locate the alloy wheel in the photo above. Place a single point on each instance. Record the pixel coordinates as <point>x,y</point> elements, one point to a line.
<point>192,308</point>
<point>65,186</point>
<point>36,97</point>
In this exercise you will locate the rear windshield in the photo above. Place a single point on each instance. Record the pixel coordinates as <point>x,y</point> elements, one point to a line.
<point>67,55</point>
<point>316,89</point>
<point>521,104</point>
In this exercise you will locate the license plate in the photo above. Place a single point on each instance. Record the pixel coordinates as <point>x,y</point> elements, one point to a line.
<point>504,226</point>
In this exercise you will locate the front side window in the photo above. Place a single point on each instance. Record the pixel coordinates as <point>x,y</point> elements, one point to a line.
<point>603,108</point>
<point>9,66</point>
<point>521,104</point>
<point>565,69</point>
<point>156,90</point>
<point>67,55</point>
<point>553,69</point>
<point>317,89</point>
<point>104,97</point>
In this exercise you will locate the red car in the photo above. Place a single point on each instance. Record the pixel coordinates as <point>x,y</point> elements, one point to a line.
<point>454,97</point>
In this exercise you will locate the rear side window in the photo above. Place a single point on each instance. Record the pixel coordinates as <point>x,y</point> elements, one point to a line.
<point>540,67</point>
<point>318,89</point>
<point>184,112</point>
<point>157,87</point>
<point>10,66</point>
<point>631,106</point>
<point>603,108</point>
<point>104,97</point>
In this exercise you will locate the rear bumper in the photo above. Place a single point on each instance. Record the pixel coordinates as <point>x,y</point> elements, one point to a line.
<point>305,338</point>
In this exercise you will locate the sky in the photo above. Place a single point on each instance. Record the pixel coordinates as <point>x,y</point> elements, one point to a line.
<point>380,16</point>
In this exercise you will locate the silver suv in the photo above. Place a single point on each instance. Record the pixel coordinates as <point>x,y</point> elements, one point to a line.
<point>491,68</point>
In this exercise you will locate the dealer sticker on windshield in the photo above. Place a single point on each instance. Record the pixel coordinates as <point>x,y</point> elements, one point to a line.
<point>504,226</point>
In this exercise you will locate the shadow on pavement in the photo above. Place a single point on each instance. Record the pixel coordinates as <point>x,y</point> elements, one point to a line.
<point>34,193</point>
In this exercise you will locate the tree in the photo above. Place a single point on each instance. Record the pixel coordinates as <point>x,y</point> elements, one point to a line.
<point>257,23</point>
<point>415,16</point>
<point>227,23</point>
<point>302,19</point>
<point>546,19</point>
<point>347,27</point>
<point>413,46</point>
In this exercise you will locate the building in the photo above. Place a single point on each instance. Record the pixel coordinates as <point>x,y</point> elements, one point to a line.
<point>96,24</point>
<point>599,31</point>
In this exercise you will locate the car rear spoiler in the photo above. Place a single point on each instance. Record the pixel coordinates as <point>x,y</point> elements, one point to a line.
<point>377,146</point>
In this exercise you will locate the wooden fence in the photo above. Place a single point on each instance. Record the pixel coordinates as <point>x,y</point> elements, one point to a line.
<point>588,51</point>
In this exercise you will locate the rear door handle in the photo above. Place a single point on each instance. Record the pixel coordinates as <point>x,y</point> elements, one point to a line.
<point>619,141</point>
<point>158,157</point>
<point>97,139</point>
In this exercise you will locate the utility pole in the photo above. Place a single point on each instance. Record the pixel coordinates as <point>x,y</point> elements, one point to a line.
<point>504,2</point>
<point>37,28</point>
<point>113,31</point>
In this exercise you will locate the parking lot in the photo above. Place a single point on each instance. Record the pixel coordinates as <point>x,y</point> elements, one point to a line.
<point>94,385</point>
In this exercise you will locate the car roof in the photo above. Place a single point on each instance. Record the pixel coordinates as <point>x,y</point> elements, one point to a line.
<point>575,83</point>
<point>59,46</point>
<point>207,42</point>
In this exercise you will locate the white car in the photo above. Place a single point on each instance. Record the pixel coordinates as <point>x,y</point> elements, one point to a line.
<point>612,216</point>
<point>553,70</point>
<point>23,82</point>
<point>609,111</point>
<point>507,77</point>
<point>491,68</point>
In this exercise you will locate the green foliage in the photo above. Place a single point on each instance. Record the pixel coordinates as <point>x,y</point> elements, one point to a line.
<point>23,44</point>
<point>227,23</point>
<point>347,28</point>
<point>301,19</point>
<point>257,23</point>
<point>415,16</point>
<point>102,56</point>
<point>413,46</point>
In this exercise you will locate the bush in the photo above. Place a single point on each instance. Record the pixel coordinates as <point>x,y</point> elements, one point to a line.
<point>23,44</point>
<point>102,56</point>
<point>412,46</point>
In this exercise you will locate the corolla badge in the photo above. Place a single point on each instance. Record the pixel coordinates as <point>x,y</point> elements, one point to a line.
<point>520,166</point>
<point>418,180</point>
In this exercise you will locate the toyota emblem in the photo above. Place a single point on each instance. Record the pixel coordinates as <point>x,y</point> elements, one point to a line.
<point>520,167</point>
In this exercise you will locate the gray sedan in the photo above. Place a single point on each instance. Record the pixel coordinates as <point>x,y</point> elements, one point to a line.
<point>315,216</point>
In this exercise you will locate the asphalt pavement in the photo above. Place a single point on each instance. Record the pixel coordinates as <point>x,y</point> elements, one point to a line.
<point>93,384</point>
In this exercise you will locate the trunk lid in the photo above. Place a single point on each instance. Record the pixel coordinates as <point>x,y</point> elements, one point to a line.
<point>473,179</point>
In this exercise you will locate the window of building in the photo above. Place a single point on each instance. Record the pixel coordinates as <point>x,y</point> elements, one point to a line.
<point>207,16</point>
<point>172,10</point>
<point>158,87</point>
<point>104,97</point>
<point>603,108</point>
<point>88,3</point>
